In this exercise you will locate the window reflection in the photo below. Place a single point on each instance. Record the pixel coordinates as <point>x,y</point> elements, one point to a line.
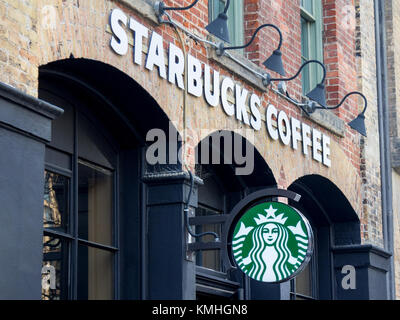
<point>95,194</point>
<point>55,214</point>
<point>54,268</point>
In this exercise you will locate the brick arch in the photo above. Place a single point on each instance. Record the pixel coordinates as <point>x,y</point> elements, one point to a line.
<point>218,143</point>
<point>87,27</point>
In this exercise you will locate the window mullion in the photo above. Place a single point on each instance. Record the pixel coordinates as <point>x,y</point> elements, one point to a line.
<point>97,245</point>
<point>74,206</point>
<point>116,231</point>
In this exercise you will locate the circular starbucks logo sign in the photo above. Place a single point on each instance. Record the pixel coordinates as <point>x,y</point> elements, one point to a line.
<point>272,242</point>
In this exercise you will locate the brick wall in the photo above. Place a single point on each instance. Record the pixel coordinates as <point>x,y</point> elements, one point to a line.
<point>393,58</point>
<point>27,41</point>
<point>339,58</point>
<point>371,215</point>
<point>286,16</point>
<point>19,44</point>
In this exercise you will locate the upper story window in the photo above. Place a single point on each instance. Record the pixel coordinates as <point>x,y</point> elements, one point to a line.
<point>235,18</point>
<point>311,42</point>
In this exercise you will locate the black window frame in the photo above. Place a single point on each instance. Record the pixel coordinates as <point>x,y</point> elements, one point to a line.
<point>314,283</point>
<point>210,283</point>
<point>71,235</point>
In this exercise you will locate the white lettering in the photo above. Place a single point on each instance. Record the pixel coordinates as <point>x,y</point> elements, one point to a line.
<point>283,123</point>
<point>119,40</point>
<point>288,130</point>
<point>326,141</point>
<point>176,65</point>
<point>156,55</point>
<point>306,131</point>
<point>241,111</point>
<point>256,118</point>
<point>194,85</point>
<point>140,32</point>
<point>212,99</point>
<point>317,146</point>
<point>271,111</point>
<point>229,109</point>
<point>296,136</point>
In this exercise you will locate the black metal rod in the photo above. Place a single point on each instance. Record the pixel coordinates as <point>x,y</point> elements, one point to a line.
<point>254,35</point>
<point>181,8</point>
<point>97,245</point>
<point>345,97</point>
<point>301,68</point>
<point>227,6</point>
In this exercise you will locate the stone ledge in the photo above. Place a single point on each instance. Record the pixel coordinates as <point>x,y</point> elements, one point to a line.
<point>37,105</point>
<point>328,120</point>
<point>323,118</point>
<point>25,114</point>
<point>236,68</point>
<point>144,7</point>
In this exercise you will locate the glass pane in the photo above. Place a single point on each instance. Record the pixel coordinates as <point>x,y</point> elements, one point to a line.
<point>54,269</point>
<point>304,39</point>
<point>210,259</point>
<point>308,5</point>
<point>95,274</point>
<point>235,23</point>
<point>303,282</point>
<point>55,213</point>
<point>95,202</point>
<point>235,19</point>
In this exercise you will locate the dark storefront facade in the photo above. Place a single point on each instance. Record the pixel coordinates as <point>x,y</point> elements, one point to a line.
<point>81,200</point>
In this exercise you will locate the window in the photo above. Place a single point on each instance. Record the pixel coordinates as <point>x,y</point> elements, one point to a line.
<point>79,219</point>
<point>211,203</point>
<point>304,286</point>
<point>210,259</point>
<point>311,42</point>
<point>212,282</point>
<point>235,18</point>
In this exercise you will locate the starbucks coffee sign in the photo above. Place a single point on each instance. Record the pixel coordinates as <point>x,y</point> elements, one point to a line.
<point>272,242</point>
<point>217,90</point>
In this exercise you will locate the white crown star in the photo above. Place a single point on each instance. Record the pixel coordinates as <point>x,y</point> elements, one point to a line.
<point>270,217</point>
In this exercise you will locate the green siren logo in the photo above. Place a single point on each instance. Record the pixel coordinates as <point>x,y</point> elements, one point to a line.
<point>272,242</point>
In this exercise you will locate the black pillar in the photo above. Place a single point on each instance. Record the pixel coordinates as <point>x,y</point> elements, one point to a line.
<point>25,128</point>
<point>171,274</point>
<point>371,266</point>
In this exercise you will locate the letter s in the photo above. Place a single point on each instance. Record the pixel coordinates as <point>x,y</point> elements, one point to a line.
<point>119,40</point>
